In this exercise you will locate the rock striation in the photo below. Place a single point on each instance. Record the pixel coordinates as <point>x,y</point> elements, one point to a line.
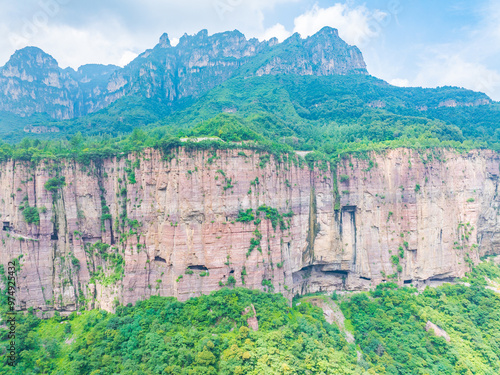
<point>191,222</point>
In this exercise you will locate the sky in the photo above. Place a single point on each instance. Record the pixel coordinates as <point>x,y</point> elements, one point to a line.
<point>424,43</point>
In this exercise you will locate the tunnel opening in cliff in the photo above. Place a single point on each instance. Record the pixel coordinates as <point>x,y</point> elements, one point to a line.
<point>198,268</point>
<point>334,272</point>
<point>160,259</point>
<point>407,281</point>
<point>6,226</point>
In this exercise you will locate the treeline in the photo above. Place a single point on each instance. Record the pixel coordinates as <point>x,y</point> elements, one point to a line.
<point>232,131</point>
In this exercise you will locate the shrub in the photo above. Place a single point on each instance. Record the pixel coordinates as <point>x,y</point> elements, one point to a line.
<point>31,215</point>
<point>55,183</point>
<point>231,280</point>
<point>245,216</point>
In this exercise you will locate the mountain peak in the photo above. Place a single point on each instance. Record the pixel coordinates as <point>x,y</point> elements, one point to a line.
<point>198,63</point>
<point>328,31</point>
<point>202,33</point>
<point>164,41</point>
<point>33,57</point>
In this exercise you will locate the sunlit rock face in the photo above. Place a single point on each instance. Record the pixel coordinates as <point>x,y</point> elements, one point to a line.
<point>175,225</point>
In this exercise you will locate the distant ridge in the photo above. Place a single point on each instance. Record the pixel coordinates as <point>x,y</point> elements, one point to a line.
<point>32,81</point>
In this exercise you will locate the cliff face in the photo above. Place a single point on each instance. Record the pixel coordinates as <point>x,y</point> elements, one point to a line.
<point>145,225</point>
<point>32,82</point>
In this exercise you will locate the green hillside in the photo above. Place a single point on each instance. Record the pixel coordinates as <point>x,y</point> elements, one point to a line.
<point>332,115</point>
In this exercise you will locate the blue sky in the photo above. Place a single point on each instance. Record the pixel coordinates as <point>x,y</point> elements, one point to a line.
<point>406,42</point>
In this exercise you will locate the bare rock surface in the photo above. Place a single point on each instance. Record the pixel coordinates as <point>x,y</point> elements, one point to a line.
<point>252,320</point>
<point>333,315</point>
<point>437,330</point>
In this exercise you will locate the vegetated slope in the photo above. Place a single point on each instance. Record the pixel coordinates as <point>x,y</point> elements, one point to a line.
<point>328,114</point>
<point>211,334</point>
<point>389,326</point>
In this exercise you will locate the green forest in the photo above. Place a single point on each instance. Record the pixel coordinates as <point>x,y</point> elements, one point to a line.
<point>330,115</point>
<point>210,334</point>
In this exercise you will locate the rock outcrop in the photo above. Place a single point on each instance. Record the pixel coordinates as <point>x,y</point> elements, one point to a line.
<point>439,332</point>
<point>188,223</point>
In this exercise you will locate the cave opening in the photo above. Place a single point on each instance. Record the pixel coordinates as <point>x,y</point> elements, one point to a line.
<point>408,281</point>
<point>6,226</point>
<point>160,259</point>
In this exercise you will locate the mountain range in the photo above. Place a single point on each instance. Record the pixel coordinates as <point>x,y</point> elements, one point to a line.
<point>32,81</point>
<point>297,84</point>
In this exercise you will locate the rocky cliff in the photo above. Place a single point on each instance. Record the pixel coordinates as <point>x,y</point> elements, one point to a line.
<point>32,82</point>
<point>190,222</point>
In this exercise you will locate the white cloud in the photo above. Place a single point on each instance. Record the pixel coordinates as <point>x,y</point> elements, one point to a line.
<point>74,47</point>
<point>277,31</point>
<point>127,57</point>
<point>355,25</point>
<point>77,33</point>
<point>400,82</point>
<point>454,70</point>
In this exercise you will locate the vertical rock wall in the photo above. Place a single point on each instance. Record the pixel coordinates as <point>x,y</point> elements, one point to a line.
<point>144,225</point>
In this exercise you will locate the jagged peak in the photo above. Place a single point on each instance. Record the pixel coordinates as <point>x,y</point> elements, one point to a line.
<point>327,31</point>
<point>202,34</point>
<point>164,41</point>
<point>234,32</point>
<point>273,41</point>
<point>293,38</point>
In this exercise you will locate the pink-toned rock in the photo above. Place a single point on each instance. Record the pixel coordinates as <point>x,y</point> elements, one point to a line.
<point>252,320</point>
<point>174,231</point>
<point>437,330</point>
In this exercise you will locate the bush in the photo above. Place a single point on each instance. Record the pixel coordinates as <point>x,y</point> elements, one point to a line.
<point>231,280</point>
<point>245,216</point>
<point>31,215</point>
<point>55,183</point>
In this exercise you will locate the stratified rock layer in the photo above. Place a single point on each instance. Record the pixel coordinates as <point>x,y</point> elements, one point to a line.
<point>147,224</point>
